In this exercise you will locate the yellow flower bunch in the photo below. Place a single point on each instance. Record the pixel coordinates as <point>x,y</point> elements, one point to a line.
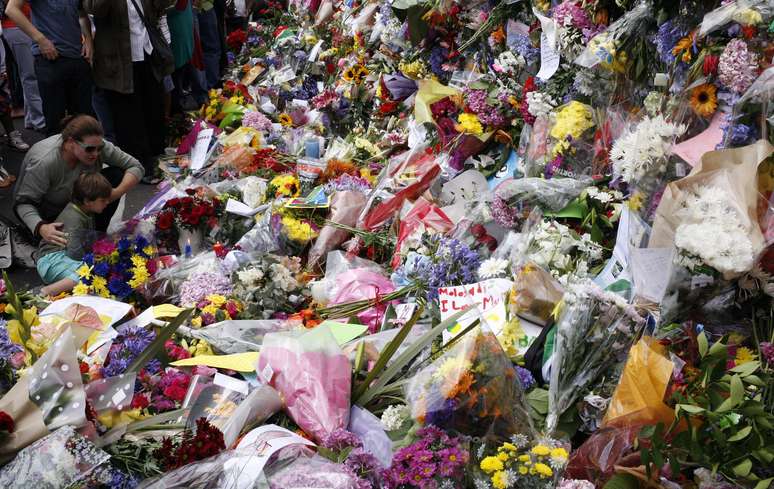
<point>140,274</point>
<point>414,70</point>
<point>510,468</point>
<point>469,123</point>
<point>298,230</point>
<point>748,16</point>
<point>571,122</point>
<point>286,185</point>
<point>368,146</point>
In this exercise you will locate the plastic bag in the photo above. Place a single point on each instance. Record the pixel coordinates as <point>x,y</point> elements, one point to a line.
<point>422,216</point>
<point>236,336</point>
<point>361,284</point>
<point>313,472</point>
<point>344,209</point>
<point>593,335</point>
<point>550,195</point>
<point>729,12</point>
<point>639,397</point>
<point>472,389</point>
<point>60,460</point>
<point>262,238</point>
<point>313,375</point>
<point>597,457</point>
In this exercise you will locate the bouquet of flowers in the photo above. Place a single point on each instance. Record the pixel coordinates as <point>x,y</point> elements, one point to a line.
<point>472,389</point>
<point>117,269</point>
<point>593,336</point>
<point>566,254</point>
<point>435,459</point>
<point>216,308</point>
<point>571,141</point>
<point>313,375</point>
<point>193,213</point>
<point>518,465</point>
<point>271,285</point>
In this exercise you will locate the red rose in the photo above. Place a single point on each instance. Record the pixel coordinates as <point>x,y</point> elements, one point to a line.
<point>140,401</point>
<point>187,201</point>
<point>165,220</point>
<point>172,202</point>
<point>6,422</point>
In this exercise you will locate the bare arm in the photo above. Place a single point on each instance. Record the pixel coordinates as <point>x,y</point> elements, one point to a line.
<point>88,43</point>
<point>14,12</point>
<point>129,181</point>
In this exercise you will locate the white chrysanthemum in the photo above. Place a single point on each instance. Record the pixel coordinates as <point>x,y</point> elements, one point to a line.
<point>250,276</point>
<point>253,192</point>
<point>509,62</point>
<point>643,149</point>
<point>394,416</point>
<point>540,104</point>
<point>492,267</point>
<point>712,230</point>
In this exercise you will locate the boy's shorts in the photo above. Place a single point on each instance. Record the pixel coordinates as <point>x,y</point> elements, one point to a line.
<point>56,266</point>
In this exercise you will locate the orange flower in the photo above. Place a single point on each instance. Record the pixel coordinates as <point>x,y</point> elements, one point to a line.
<point>684,46</point>
<point>704,100</point>
<point>463,385</point>
<point>498,36</point>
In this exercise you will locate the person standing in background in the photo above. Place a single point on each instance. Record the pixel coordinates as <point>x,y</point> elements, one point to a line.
<point>181,27</point>
<point>61,31</point>
<point>21,47</point>
<point>122,68</point>
<point>209,35</point>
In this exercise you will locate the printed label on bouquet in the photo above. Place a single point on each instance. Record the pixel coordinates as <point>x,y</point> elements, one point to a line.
<point>118,398</point>
<point>489,296</point>
<point>267,374</point>
<point>201,148</point>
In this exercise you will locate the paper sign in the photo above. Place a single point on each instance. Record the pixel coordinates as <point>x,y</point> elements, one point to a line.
<point>239,362</point>
<point>235,385</point>
<point>344,333</point>
<point>693,149</point>
<point>465,187</point>
<point>651,271</point>
<point>489,296</point>
<point>201,148</point>
<point>549,59</point>
<point>241,209</point>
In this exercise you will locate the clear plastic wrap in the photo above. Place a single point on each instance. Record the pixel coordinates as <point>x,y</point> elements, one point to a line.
<point>371,432</point>
<point>731,12</point>
<point>593,336</point>
<point>262,238</point>
<point>344,209</point>
<point>361,284</point>
<point>550,195</point>
<point>313,472</point>
<point>471,389</point>
<point>535,294</point>
<point>312,374</point>
<point>605,47</point>
<point>236,336</point>
<point>60,460</point>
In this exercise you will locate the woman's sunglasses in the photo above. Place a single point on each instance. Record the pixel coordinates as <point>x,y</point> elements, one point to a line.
<point>90,148</point>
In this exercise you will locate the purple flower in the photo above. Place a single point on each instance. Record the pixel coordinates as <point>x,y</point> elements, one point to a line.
<point>526,379</point>
<point>570,14</point>
<point>523,46</point>
<point>130,342</point>
<point>202,284</point>
<point>340,439</point>
<point>767,352</point>
<point>347,182</point>
<point>438,56</point>
<point>450,262</point>
<point>669,33</point>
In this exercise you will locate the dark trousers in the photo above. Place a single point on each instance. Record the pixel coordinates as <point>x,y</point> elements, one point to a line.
<point>65,86</point>
<point>138,117</point>
<point>114,176</point>
<point>209,35</point>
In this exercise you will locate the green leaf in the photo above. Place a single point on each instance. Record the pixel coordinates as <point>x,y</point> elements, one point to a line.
<point>764,484</point>
<point>754,380</point>
<point>746,369</point>
<point>538,400</point>
<point>737,390</point>
<point>622,481</point>
<point>718,349</point>
<point>741,434</point>
<point>402,360</point>
<point>703,344</point>
<point>648,431</point>
<point>158,344</point>
<point>690,408</point>
<point>417,27</point>
<point>743,468</point>
<point>573,210</point>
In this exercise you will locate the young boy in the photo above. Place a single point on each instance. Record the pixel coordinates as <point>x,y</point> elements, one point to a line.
<point>58,265</point>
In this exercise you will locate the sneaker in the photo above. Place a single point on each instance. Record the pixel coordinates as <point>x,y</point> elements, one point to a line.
<point>16,142</point>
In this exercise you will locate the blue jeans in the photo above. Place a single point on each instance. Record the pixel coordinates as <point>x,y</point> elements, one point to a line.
<point>65,86</point>
<point>210,39</point>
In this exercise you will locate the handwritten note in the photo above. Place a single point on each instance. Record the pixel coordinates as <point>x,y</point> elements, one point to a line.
<point>651,271</point>
<point>549,52</point>
<point>201,149</point>
<point>489,296</point>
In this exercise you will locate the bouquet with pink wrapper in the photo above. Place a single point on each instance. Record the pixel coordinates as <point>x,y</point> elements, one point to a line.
<point>359,284</point>
<point>422,216</point>
<point>313,375</point>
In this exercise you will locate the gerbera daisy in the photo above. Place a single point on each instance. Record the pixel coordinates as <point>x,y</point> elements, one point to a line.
<point>744,355</point>
<point>704,99</point>
<point>285,120</point>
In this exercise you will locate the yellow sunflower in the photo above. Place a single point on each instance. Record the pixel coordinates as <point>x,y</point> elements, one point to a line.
<point>704,99</point>
<point>285,120</point>
<point>349,74</point>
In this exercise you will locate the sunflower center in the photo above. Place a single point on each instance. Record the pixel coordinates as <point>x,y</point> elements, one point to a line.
<point>703,97</point>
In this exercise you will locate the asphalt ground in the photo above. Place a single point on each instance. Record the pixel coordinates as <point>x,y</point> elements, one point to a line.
<point>26,278</point>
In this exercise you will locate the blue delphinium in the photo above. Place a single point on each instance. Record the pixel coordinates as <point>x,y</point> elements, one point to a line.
<point>448,262</point>
<point>668,34</point>
<point>130,342</point>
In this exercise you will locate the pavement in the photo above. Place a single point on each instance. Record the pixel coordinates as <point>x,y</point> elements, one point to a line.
<point>27,278</point>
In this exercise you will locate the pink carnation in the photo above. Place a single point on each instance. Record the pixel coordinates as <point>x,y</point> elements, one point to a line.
<point>738,66</point>
<point>103,247</point>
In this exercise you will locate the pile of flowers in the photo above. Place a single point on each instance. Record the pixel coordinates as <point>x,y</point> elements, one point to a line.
<point>117,269</point>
